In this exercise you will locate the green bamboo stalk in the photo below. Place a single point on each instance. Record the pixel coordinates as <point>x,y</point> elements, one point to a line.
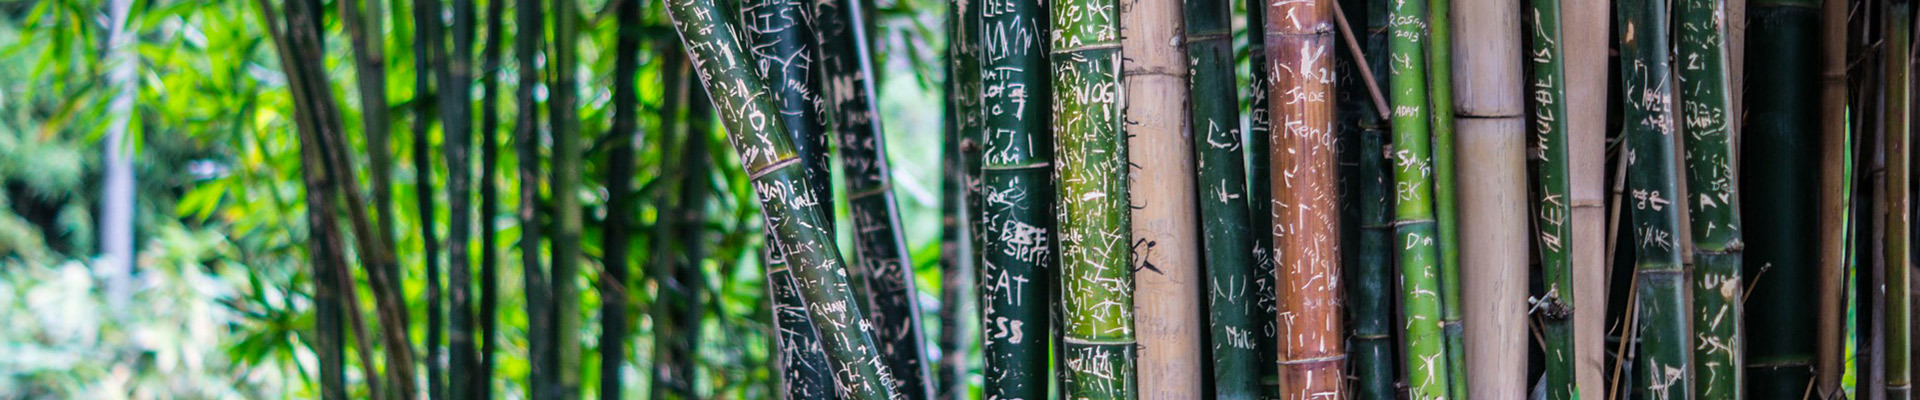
<point>562,114</point>
<point>786,197</point>
<point>1783,70</point>
<point>1712,208</point>
<point>1370,296</point>
<point>1661,364</point>
<point>958,230</point>
<point>427,66</point>
<point>880,250</point>
<point>1096,282</point>
<point>1445,203</point>
<point>1549,101</point>
<point>1897,226</point>
<point>1227,241</point>
<point>456,110</point>
<point>1305,228</point>
<point>615,231</point>
<point>1260,204</point>
<point>489,197</point>
<point>1017,277</point>
<point>783,48</point>
<point>1425,352</point>
<point>530,17</point>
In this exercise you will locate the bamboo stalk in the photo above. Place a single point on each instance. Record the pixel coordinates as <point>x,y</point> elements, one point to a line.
<point>489,197</point>
<point>1832,211</point>
<point>1896,262</point>
<point>1260,203</point>
<point>615,231</point>
<point>1780,196</point>
<point>456,110</point>
<point>1491,258</point>
<point>1017,214</point>
<point>1585,34</point>
<point>1166,239</point>
<point>957,257</point>
<point>1661,365</point>
<point>1713,210</point>
<point>1097,329</point>
<point>1305,210</point>
<point>565,168</point>
<point>530,17</point>
<point>785,196</point>
<point>1549,101</point>
<point>427,66</point>
<point>1370,297</point>
<point>1440,97</point>
<point>880,252</point>
<point>1425,352</point>
<point>1227,247</point>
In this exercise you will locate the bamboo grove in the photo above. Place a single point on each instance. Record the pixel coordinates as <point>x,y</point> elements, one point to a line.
<point>1160,199</point>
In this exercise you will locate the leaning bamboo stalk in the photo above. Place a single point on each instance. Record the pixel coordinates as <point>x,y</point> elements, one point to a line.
<point>1713,209</point>
<point>1260,202</point>
<point>1492,259</point>
<point>782,43</point>
<point>1549,101</point>
<point>880,250</point>
<point>1585,35</point>
<point>1831,233</point>
<point>1661,365</point>
<point>1306,216</point>
<point>1370,297</point>
<point>1096,282</point>
<point>1781,196</point>
<point>1425,352</point>
<point>1446,204</point>
<point>1017,207</point>
<point>1166,257</point>
<point>1226,244</point>
<point>790,211</point>
<point>1896,225</point>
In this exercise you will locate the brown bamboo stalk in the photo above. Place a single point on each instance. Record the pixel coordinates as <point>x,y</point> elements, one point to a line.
<point>1831,270</point>
<point>1491,140</point>
<point>1584,27</point>
<point>1305,231</point>
<point>1166,239</point>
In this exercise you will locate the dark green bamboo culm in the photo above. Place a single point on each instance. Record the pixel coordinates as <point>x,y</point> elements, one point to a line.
<point>1780,195</point>
<point>1260,204</point>
<point>677,299</point>
<point>1227,247</point>
<point>1425,353</point>
<point>1370,298</point>
<point>782,45</point>
<point>1445,205</point>
<point>426,68</point>
<point>958,320</point>
<point>489,197</point>
<point>456,110</point>
<point>1095,238</point>
<point>791,212</point>
<point>1017,277</point>
<point>1713,209</point>
<point>880,250</point>
<point>1548,97</point>
<point>529,17</point>
<point>565,167</point>
<point>1897,201</point>
<point>1661,279</point>
<point>615,233</point>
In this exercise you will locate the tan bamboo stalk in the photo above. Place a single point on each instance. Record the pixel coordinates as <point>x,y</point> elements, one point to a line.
<point>1584,26</point>
<point>1491,140</point>
<point>1305,231</point>
<point>1166,235</point>
<point>1829,331</point>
